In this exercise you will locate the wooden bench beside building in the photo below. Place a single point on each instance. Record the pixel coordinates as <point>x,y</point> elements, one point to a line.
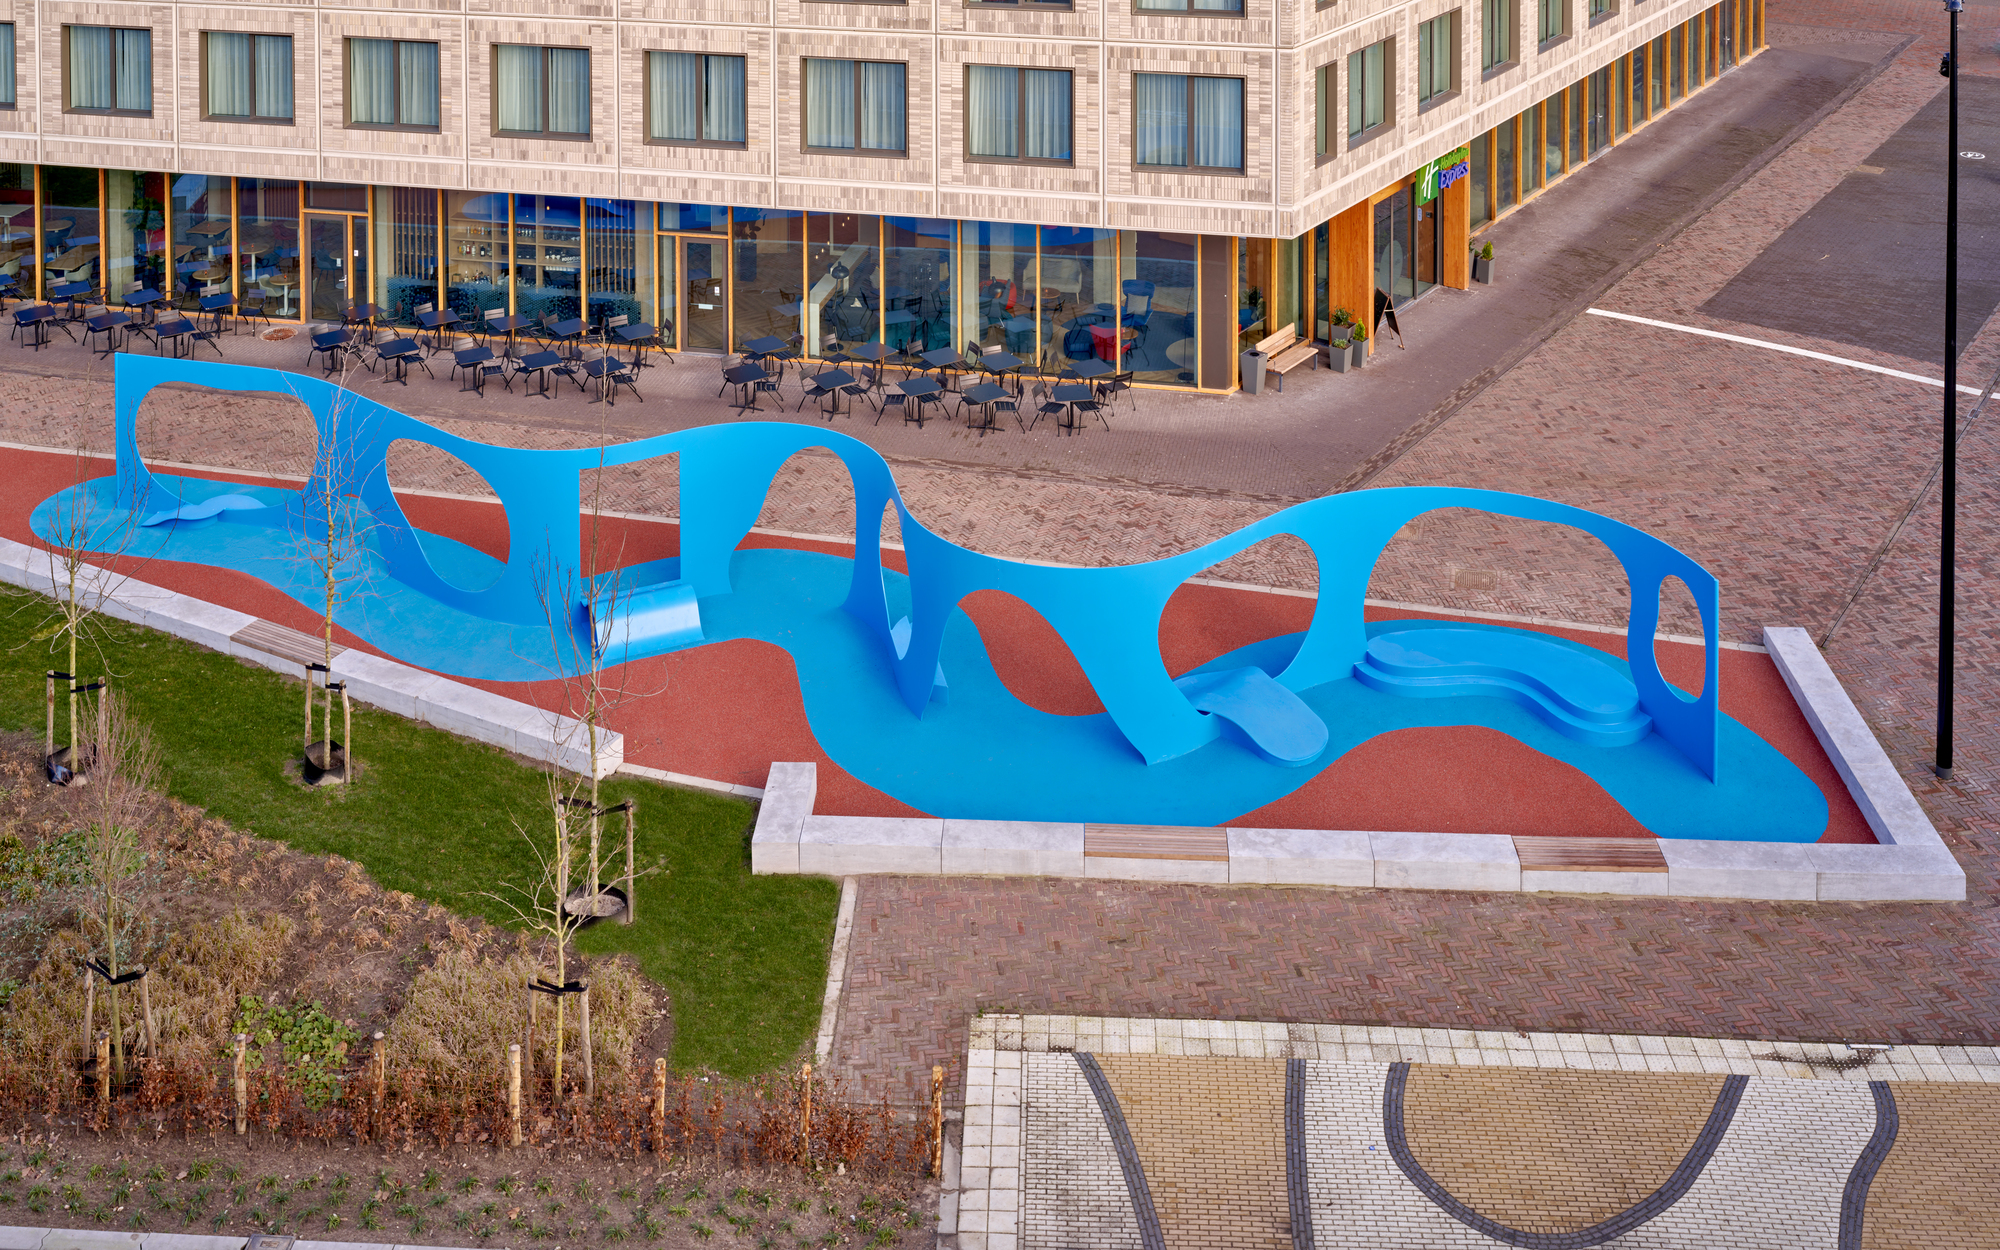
<point>1287,353</point>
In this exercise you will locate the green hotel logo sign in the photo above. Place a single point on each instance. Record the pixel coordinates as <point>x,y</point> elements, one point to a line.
<point>1442,172</point>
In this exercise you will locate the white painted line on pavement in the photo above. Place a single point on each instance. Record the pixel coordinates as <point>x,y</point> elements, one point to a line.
<point>1778,347</point>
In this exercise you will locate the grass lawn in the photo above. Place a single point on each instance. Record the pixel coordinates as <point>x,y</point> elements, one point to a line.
<point>744,957</point>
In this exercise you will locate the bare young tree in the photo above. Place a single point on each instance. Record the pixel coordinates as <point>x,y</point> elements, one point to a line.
<point>122,800</point>
<point>85,538</point>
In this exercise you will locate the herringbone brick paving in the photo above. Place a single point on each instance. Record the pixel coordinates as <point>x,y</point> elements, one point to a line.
<point>1785,477</point>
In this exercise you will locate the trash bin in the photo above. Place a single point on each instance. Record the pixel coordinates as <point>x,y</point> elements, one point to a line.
<point>1252,365</point>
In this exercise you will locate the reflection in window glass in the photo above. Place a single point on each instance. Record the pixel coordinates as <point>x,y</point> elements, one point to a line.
<point>1482,181</point>
<point>135,238</point>
<point>1079,317</point>
<point>267,242</point>
<point>618,267</point>
<point>917,255</point>
<point>1156,301</point>
<point>843,305</point>
<point>548,257</point>
<point>475,253</point>
<point>406,244</point>
<point>997,286</point>
<point>770,273</point>
<point>1507,191</point>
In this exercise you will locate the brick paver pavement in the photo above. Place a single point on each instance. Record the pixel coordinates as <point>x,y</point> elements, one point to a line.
<point>1783,475</point>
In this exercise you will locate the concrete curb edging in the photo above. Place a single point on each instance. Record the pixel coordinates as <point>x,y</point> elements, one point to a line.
<point>1911,864</point>
<point>408,692</point>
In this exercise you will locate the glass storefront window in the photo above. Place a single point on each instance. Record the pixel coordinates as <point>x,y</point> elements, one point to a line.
<point>267,242</point>
<point>1677,75</point>
<point>548,257</point>
<point>769,273</point>
<point>1658,76</point>
<point>1078,297</point>
<point>1322,312</point>
<point>476,265</point>
<point>203,225</point>
<point>1622,115</point>
<point>1639,78</point>
<point>1506,188</point>
<point>71,250</point>
<point>1157,302</point>
<point>17,225</point>
<point>406,251</point>
<point>843,304</point>
<point>1597,122</point>
<point>1577,155</point>
<point>917,255</point>
<point>135,232</point>
<point>666,312</point>
<point>1482,180</point>
<point>618,267</point>
<point>998,281</point>
<point>694,218</point>
<point>1533,161</point>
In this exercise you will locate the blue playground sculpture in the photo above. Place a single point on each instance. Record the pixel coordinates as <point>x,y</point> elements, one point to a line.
<point>896,682</point>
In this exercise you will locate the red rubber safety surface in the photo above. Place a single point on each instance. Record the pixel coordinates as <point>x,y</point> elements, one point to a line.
<point>725,711</point>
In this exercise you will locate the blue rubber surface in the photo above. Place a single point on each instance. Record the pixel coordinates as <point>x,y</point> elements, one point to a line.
<point>984,753</point>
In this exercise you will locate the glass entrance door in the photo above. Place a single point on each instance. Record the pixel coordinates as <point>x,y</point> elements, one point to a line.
<point>339,274</point>
<point>704,276</point>
<point>1406,246</point>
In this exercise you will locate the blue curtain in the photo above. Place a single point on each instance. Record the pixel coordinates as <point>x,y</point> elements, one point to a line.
<point>991,122</point>
<point>229,87</point>
<point>517,79</point>
<point>371,81</point>
<point>725,93</point>
<point>1046,95</point>
<point>1160,104</point>
<point>829,103</point>
<point>274,75</point>
<point>569,91</point>
<point>882,106</point>
<point>1215,137</point>
<point>417,93</point>
<point>674,95</point>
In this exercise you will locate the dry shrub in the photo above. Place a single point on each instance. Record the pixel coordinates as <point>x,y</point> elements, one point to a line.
<point>462,1012</point>
<point>198,974</point>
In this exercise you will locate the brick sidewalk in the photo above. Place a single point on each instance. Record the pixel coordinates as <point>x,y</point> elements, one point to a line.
<point>1786,477</point>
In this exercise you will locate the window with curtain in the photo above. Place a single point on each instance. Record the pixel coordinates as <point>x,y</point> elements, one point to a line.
<point>695,98</point>
<point>1601,8</point>
<point>110,69</point>
<point>6,65</point>
<point>392,82</point>
<point>1367,88</point>
<point>1187,120</point>
<point>1017,114</point>
<point>855,105</point>
<point>1323,87</point>
<point>1552,21</point>
<point>1016,4</point>
<point>1496,33</point>
<point>1437,60</point>
<point>1187,6</point>
<point>247,76</point>
<point>541,91</point>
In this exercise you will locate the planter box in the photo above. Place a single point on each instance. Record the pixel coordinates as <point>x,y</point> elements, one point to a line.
<point>1359,353</point>
<point>1337,356</point>
<point>1482,270</point>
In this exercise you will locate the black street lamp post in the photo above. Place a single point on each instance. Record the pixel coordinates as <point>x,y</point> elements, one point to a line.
<point>1948,530</point>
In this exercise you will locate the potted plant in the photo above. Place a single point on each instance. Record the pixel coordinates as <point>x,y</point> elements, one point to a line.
<point>1338,352</point>
<point>1360,348</point>
<point>1482,264</point>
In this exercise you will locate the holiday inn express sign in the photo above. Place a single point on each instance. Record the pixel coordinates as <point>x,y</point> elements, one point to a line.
<point>1442,172</point>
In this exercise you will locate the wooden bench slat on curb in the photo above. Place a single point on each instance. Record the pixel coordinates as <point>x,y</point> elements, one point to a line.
<point>1156,842</point>
<point>285,643</point>
<point>1287,353</point>
<point>1590,854</point>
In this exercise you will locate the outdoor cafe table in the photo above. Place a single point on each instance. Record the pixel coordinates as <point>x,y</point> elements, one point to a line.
<point>1088,369</point>
<point>510,325</point>
<point>1072,393</point>
<point>941,359</point>
<point>400,352</point>
<point>108,324</point>
<point>473,360</point>
<point>567,331</point>
<point>147,302</point>
<point>437,321</point>
<point>764,346</point>
<point>744,378</point>
<point>634,336</point>
<point>1000,364</point>
<point>982,395</point>
<point>923,390</point>
<point>35,321</point>
<point>539,364</point>
<point>831,381</point>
